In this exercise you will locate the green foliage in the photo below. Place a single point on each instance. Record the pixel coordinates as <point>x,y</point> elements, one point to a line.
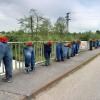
<point>22,36</point>
<point>39,28</point>
<point>60,25</point>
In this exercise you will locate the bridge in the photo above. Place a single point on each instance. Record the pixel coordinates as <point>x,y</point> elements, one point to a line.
<point>83,84</point>
<point>25,86</point>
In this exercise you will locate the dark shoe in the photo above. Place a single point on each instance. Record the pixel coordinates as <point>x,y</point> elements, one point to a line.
<point>9,80</point>
<point>32,69</point>
<point>57,60</point>
<point>62,59</point>
<point>27,69</point>
<point>4,78</point>
<point>46,64</point>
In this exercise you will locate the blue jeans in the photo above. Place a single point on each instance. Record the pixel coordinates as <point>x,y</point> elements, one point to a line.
<point>65,51</point>
<point>47,52</point>
<point>73,52</point>
<point>90,45</point>
<point>97,44</point>
<point>94,43</point>
<point>77,47</point>
<point>29,57</point>
<point>47,58</point>
<point>69,52</point>
<point>6,56</point>
<point>59,52</point>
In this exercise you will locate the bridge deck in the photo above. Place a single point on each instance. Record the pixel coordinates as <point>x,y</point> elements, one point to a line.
<point>27,84</point>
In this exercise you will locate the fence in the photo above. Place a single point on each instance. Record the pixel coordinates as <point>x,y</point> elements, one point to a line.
<point>17,49</point>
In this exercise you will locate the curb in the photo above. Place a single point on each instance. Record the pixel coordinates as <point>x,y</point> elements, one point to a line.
<point>33,95</point>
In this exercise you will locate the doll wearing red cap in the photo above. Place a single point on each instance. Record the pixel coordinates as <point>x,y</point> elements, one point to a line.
<point>3,39</point>
<point>6,56</point>
<point>29,57</point>
<point>47,52</point>
<point>28,43</point>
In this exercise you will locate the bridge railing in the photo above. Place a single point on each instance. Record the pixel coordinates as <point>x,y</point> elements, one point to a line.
<point>18,59</point>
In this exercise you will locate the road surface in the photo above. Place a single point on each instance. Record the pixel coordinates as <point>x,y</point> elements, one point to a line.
<point>83,84</point>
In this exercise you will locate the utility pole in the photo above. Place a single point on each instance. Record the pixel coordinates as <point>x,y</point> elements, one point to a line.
<point>31,25</point>
<point>67,21</point>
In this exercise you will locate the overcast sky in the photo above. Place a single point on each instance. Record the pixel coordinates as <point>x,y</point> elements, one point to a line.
<point>85,14</point>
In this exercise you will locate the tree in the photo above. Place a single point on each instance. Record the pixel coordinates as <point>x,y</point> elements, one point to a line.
<point>60,25</point>
<point>32,22</point>
<point>98,32</point>
<point>46,26</point>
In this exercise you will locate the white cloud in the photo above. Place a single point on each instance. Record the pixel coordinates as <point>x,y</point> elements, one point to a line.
<point>85,14</point>
<point>2,16</point>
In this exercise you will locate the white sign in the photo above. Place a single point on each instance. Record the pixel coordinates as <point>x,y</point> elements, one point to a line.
<point>84,45</point>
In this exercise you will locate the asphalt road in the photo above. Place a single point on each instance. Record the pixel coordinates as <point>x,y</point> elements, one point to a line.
<point>83,84</point>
